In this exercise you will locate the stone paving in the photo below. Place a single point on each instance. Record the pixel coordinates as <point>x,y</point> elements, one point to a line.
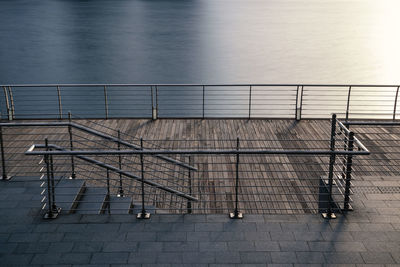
<point>368,236</point>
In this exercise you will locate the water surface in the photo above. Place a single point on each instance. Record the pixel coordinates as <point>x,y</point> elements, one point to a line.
<point>199,41</point>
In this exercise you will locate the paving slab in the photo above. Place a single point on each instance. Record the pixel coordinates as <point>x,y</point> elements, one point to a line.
<point>369,238</point>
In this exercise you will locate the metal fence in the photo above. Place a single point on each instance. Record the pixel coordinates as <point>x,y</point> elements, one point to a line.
<point>383,140</point>
<point>226,175</point>
<point>295,101</point>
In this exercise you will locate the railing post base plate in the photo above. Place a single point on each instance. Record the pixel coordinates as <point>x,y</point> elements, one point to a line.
<point>5,178</point>
<point>141,215</point>
<point>53,214</point>
<point>236,215</point>
<point>326,215</point>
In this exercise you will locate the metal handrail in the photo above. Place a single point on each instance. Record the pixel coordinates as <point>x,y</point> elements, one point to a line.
<point>30,151</point>
<point>372,123</point>
<point>296,104</point>
<point>332,153</point>
<point>99,134</point>
<point>108,167</point>
<point>347,131</point>
<point>336,189</point>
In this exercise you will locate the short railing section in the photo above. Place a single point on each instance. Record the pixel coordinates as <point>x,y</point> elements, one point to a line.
<point>232,176</point>
<point>294,101</point>
<point>381,169</point>
<point>70,135</point>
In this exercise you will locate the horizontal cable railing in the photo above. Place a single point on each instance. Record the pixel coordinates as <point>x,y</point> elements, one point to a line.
<point>88,131</point>
<point>383,140</point>
<point>295,101</point>
<point>268,183</point>
<point>15,137</point>
<point>230,178</point>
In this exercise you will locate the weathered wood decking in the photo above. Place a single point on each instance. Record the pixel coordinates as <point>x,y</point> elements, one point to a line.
<point>268,184</point>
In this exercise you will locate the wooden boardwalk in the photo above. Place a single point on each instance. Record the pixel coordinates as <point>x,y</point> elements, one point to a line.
<point>268,184</point>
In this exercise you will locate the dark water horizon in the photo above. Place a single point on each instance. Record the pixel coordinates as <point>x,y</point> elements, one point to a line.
<point>199,41</point>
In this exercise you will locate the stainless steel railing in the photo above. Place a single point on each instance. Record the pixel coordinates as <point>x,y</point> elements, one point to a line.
<point>13,162</point>
<point>298,101</point>
<point>252,180</point>
<point>93,132</point>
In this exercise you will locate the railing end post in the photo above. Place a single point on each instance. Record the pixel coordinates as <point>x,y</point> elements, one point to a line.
<point>348,173</point>
<point>53,210</point>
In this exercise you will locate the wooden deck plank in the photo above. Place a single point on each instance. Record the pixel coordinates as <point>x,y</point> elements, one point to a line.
<point>276,184</point>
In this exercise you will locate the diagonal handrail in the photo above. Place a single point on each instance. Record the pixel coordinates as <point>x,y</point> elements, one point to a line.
<point>117,170</point>
<point>122,142</point>
<point>99,134</point>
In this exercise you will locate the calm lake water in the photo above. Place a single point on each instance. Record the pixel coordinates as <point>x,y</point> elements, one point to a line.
<point>200,41</point>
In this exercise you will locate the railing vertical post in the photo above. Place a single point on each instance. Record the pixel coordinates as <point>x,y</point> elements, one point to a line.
<point>9,115</point>
<point>348,172</point>
<point>348,103</point>
<point>143,214</point>
<point>250,102</point>
<point>345,146</point>
<point>71,145</point>
<point>236,214</point>
<point>53,211</point>
<point>297,98</point>
<point>53,195</point>
<point>329,214</point>
<point>108,192</point>
<point>153,110</point>
<point>120,191</point>
<point>204,93</point>
<point>59,102</point>
<point>157,111</point>
<point>395,103</point>
<point>49,213</point>
<point>189,203</point>
<point>4,175</point>
<point>299,102</point>
<point>11,102</point>
<point>105,102</point>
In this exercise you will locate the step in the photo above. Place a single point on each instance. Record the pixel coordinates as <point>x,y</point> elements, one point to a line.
<point>93,201</point>
<point>68,193</point>
<point>120,205</point>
